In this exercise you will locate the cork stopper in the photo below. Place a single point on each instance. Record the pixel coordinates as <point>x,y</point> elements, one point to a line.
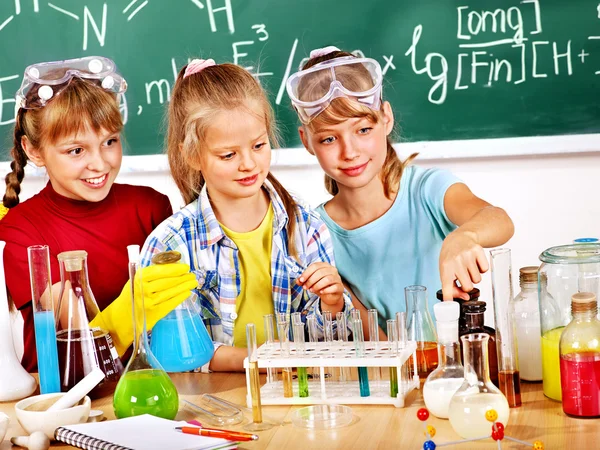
<point>582,302</point>
<point>528,274</point>
<point>167,257</point>
<point>73,260</point>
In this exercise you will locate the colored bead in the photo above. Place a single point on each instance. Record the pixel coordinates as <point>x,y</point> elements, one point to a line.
<point>538,445</point>
<point>498,426</point>
<point>491,415</point>
<point>423,414</point>
<point>429,445</point>
<point>497,435</point>
<point>431,430</point>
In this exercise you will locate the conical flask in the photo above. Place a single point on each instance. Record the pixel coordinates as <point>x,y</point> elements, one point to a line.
<point>474,401</point>
<point>144,388</point>
<point>81,347</point>
<point>421,330</point>
<point>15,382</point>
<point>180,340</point>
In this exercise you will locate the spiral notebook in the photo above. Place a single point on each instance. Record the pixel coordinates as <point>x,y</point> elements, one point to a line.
<point>144,432</point>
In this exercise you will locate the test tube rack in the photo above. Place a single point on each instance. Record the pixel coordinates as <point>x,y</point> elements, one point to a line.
<point>322,356</point>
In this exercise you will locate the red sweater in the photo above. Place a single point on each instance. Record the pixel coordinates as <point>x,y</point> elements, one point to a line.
<point>104,229</point>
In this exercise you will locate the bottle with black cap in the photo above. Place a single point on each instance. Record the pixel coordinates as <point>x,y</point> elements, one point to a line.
<point>473,312</point>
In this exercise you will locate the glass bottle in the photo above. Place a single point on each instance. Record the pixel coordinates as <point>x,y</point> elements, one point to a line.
<point>580,358</point>
<point>565,270</point>
<point>444,381</point>
<point>477,394</point>
<point>509,380</point>
<point>474,312</point>
<point>473,295</point>
<point>180,340</point>
<point>81,348</point>
<point>525,312</point>
<point>144,388</point>
<point>44,319</point>
<point>421,330</point>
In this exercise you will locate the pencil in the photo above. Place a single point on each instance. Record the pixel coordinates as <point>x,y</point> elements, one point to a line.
<point>223,434</point>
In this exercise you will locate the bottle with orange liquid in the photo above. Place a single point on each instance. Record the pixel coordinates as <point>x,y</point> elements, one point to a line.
<point>421,330</point>
<point>580,358</point>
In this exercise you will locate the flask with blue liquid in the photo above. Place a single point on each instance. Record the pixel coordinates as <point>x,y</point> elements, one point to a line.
<point>180,340</point>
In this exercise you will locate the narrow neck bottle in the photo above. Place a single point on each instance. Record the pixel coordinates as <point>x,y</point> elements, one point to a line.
<point>476,358</point>
<point>449,354</point>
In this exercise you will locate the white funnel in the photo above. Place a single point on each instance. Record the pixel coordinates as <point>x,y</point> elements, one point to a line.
<point>15,382</point>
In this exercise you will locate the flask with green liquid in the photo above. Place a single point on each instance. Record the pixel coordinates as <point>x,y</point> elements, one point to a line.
<point>144,388</point>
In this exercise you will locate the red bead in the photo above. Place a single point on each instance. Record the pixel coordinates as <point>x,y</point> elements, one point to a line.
<point>497,435</point>
<point>498,426</point>
<point>423,414</point>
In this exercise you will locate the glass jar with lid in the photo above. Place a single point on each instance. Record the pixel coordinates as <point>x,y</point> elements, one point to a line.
<point>565,270</point>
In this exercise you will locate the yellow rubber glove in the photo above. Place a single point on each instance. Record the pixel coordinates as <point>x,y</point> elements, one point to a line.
<point>165,286</point>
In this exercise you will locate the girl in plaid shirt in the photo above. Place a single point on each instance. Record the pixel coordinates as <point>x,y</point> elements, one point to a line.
<point>253,248</point>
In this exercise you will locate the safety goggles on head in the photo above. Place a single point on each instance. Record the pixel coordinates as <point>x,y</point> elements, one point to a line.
<point>44,81</point>
<point>313,89</point>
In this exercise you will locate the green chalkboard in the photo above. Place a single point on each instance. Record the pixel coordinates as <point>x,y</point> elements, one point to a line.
<point>454,70</point>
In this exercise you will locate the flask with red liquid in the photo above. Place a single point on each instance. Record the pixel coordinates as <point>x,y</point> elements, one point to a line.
<point>580,358</point>
<point>83,340</point>
<point>421,330</point>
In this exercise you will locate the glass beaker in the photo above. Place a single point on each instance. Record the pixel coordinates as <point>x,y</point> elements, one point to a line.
<point>81,348</point>
<point>565,270</point>
<point>580,358</point>
<point>421,330</point>
<point>144,388</point>
<point>477,395</point>
<point>509,380</point>
<point>525,312</point>
<point>180,340</point>
<point>444,381</point>
<point>44,319</point>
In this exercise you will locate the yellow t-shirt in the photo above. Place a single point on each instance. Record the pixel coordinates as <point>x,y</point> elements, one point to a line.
<point>255,299</point>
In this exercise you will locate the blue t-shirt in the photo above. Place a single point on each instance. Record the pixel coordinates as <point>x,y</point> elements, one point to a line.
<point>400,248</point>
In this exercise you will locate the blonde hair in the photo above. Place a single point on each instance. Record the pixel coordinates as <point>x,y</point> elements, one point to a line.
<point>80,104</point>
<point>357,78</point>
<point>194,101</point>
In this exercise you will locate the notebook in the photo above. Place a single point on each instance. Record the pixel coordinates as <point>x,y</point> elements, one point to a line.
<point>143,432</point>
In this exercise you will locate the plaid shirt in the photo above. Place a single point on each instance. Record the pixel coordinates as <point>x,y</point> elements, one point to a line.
<point>195,232</point>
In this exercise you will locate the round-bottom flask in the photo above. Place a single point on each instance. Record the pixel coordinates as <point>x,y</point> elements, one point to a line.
<point>477,395</point>
<point>144,388</point>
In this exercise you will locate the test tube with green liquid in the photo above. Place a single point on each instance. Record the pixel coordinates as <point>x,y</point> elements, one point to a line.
<point>392,333</point>
<point>283,329</point>
<point>298,328</point>
<point>373,319</point>
<point>359,345</point>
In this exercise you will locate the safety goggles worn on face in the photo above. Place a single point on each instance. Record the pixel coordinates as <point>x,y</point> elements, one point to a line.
<point>312,90</point>
<point>44,81</point>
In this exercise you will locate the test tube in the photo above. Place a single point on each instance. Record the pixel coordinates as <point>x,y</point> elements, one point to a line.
<point>359,345</point>
<point>43,318</point>
<point>373,318</point>
<point>254,379</point>
<point>406,374</point>
<point>313,336</point>
<point>283,329</point>
<point>328,338</point>
<point>342,333</point>
<point>392,333</point>
<point>506,343</point>
<point>269,320</point>
<point>298,327</point>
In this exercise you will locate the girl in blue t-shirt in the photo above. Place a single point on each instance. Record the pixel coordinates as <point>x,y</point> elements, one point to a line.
<point>393,225</point>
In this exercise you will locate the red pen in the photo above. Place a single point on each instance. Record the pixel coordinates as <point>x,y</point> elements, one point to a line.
<point>223,434</point>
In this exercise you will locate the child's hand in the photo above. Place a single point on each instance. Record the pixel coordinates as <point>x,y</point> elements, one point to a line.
<point>462,259</point>
<point>323,280</point>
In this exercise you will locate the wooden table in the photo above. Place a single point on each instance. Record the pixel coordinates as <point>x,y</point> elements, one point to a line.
<point>376,426</point>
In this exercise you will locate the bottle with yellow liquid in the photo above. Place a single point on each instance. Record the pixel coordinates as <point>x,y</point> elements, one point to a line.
<point>565,271</point>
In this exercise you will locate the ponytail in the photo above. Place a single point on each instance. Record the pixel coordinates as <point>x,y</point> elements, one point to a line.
<point>15,177</point>
<point>290,208</point>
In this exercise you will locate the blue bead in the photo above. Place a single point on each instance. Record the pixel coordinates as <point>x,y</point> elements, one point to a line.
<point>429,445</point>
